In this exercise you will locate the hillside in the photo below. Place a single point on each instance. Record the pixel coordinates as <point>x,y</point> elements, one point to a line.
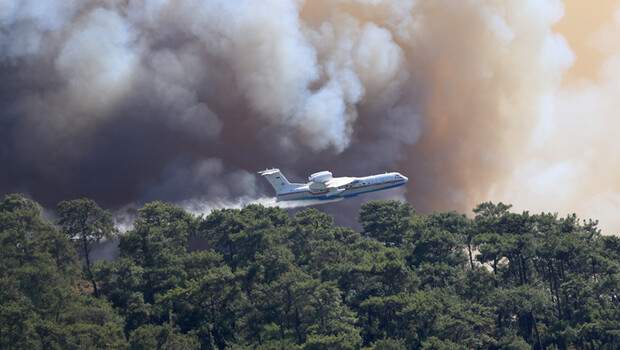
<point>270,280</point>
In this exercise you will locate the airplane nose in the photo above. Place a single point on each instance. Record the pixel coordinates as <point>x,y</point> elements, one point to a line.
<point>404,178</point>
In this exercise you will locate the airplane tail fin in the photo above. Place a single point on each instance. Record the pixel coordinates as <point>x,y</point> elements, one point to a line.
<point>279,182</point>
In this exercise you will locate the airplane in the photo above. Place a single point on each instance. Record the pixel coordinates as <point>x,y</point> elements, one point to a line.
<point>323,186</point>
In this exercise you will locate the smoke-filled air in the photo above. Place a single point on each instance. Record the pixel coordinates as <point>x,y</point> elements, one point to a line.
<point>127,101</point>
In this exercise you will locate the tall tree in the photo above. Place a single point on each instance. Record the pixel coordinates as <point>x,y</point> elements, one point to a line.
<point>386,221</point>
<point>40,306</point>
<point>86,224</point>
<point>158,244</point>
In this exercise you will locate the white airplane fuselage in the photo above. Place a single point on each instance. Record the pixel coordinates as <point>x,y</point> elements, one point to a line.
<point>323,186</point>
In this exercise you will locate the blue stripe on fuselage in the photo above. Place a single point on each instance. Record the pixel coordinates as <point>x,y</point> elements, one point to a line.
<point>375,190</point>
<point>342,196</point>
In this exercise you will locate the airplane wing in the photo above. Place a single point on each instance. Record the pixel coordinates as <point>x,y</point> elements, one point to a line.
<point>339,182</point>
<point>329,186</point>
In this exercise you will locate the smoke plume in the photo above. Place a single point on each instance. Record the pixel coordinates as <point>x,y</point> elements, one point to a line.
<point>126,101</point>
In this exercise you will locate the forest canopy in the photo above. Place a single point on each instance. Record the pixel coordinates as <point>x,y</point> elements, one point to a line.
<point>263,278</point>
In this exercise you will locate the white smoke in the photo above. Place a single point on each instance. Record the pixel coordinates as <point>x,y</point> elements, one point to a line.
<point>204,207</point>
<point>572,164</point>
<point>26,23</point>
<point>184,100</point>
<point>124,218</point>
<point>98,60</point>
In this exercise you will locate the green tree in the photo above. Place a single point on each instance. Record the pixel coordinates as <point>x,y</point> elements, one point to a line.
<point>259,278</point>
<point>150,337</point>
<point>158,244</point>
<point>86,224</point>
<point>386,221</point>
<point>40,304</point>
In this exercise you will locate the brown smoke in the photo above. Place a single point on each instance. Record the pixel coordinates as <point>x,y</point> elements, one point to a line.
<point>571,163</point>
<point>133,100</point>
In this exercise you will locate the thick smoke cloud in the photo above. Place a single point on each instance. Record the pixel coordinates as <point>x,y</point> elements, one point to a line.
<point>571,162</point>
<point>134,100</point>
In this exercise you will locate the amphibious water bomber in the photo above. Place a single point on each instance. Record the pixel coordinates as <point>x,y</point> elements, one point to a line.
<point>323,186</point>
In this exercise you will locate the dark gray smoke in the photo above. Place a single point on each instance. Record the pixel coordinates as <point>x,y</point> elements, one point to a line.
<point>126,101</point>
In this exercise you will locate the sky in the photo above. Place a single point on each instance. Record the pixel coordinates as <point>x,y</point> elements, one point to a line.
<point>184,101</point>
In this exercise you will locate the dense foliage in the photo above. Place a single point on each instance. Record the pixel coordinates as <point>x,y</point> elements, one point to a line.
<point>258,278</point>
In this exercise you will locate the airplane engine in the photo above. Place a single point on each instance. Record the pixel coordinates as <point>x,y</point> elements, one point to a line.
<point>321,176</point>
<point>318,180</point>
